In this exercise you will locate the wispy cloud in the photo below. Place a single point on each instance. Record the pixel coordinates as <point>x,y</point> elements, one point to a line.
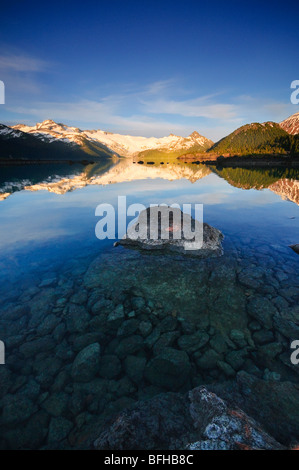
<point>101,114</point>
<point>198,107</point>
<point>22,63</point>
<point>160,86</point>
<point>23,75</point>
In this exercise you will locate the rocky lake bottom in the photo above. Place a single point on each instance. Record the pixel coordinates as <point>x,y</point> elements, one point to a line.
<point>90,335</point>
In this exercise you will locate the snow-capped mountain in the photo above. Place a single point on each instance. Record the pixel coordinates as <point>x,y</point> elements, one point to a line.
<point>8,132</point>
<point>123,145</point>
<point>19,145</point>
<point>49,131</point>
<point>291,124</point>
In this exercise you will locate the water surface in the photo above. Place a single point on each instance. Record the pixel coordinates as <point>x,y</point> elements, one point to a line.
<point>63,290</point>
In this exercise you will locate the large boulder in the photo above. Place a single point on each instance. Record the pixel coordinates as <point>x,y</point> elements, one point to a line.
<point>197,420</point>
<point>166,232</point>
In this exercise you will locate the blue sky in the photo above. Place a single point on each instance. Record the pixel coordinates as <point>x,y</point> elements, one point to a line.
<point>149,68</point>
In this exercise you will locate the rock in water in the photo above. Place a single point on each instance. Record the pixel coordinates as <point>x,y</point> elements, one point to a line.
<point>199,420</point>
<point>86,363</point>
<point>295,248</point>
<point>170,230</point>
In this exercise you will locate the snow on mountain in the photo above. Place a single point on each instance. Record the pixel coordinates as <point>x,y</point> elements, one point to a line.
<point>49,131</point>
<point>291,124</point>
<point>8,131</point>
<point>128,145</point>
<point>123,171</point>
<point>287,189</point>
<point>118,175</point>
<point>124,145</point>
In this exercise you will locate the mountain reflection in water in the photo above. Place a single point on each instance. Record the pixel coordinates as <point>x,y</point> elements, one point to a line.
<point>61,179</point>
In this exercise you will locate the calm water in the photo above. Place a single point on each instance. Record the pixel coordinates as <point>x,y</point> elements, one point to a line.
<point>63,290</point>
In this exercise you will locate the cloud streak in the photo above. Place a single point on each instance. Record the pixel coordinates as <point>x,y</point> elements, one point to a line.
<point>99,113</point>
<point>198,107</point>
<point>21,74</point>
<point>22,63</point>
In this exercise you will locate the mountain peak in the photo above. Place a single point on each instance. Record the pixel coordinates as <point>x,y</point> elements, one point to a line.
<point>255,138</point>
<point>291,124</point>
<point>46,123</point>
<point>195,134</point>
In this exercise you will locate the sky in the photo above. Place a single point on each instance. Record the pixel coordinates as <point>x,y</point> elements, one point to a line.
<point>149,68</point>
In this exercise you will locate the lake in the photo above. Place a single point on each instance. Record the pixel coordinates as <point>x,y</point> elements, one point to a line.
<point>90,328</point>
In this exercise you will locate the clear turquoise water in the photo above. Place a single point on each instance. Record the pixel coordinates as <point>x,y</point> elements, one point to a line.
<point>50,226</point>
<point>50,238</point>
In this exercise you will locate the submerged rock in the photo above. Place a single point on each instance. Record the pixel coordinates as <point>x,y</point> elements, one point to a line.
<point>16,409</point>
<point>59,429</point>
<point>295,248</point>
<point>86,363</point>
<point>170,230</point>
<point>110,366</point>
<point>170,369</point>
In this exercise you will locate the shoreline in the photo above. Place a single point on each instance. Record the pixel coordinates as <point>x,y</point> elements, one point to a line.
<point>44,162</point>
<point>243,161</point>
<point>219,161</point>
